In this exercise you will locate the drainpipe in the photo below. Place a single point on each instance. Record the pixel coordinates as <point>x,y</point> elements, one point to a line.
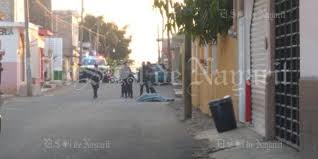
<point>1,68</point>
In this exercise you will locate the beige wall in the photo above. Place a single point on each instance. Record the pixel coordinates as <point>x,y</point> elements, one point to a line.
<point>209,87</point>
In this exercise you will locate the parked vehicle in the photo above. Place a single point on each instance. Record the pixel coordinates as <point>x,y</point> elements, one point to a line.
<point>161,75</point>
<point>88,62</point>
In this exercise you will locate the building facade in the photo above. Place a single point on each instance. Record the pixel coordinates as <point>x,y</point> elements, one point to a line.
<point>177,49</point>
<point>12,39</point>
<point>54,53</point>
<point>66,26</point>
<point>276,40</point>
<point>275,82</point>
<point>41,13</point>
<point>214,69</point>
<point>12,10</point>
<point>308,79</point>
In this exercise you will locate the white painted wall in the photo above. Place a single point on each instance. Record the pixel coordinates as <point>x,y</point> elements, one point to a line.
<point>248,9</point>
<point>10,44</point>
<point>242,68</point>
<point>308,38</point>
<point>19,11</point>
<point>35,53</point>
<point>56,44</point>
<point>244,24</point>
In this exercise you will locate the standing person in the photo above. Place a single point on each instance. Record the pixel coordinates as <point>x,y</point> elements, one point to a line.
<point>143,78</point>
<point>151,78</point>
<point>95,76</point>
<point>125,71</point>
<point>130,82</point>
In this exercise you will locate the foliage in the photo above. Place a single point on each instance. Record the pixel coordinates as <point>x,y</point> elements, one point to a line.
<point>202,19</point>
<point>113,42</point>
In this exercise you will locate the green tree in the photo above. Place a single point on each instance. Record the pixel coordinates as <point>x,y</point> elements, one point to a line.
<point>113,42</point>
<point>202,19</point>
<point>197,19</point>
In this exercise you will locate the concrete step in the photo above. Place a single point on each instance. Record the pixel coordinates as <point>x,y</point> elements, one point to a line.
<point>178,93</point>
<point>177,85</point>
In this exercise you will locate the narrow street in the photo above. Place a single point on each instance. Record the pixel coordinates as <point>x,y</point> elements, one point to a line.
<point>69,124</point>
<point>236,78</point>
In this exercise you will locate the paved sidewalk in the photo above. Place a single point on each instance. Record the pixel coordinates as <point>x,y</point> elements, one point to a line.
<point>241,143</point>
<point>5,97</point>
<point>244,143</point>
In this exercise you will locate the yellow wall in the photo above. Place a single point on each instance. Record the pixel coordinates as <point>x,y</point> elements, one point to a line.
<point>208,88</point>
<point>195,78</point>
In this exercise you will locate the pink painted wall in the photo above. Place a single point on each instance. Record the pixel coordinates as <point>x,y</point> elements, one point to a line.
<point>10,44</point>
<point>11,78</point>
<point>9,83</point>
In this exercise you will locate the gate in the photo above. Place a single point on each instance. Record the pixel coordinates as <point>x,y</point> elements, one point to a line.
<point>287,67</point>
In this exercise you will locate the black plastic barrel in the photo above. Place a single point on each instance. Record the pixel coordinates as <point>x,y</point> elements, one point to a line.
<point>223,114</point>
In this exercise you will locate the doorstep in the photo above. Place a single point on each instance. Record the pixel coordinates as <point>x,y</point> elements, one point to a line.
<point>50,86</point>
<point>5,97</point>
<point>177,85</point>
<point>178,93</point>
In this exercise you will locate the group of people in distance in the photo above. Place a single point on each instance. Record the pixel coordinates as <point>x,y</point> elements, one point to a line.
<point>127,80</point>
<point>145,76</point>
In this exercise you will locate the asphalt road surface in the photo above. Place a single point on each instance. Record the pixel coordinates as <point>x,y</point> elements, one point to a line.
<point>69,124</point>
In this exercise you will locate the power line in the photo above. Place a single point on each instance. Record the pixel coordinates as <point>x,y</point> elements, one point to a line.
<point>57,18</point>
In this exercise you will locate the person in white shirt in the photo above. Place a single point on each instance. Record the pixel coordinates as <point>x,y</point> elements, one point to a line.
<point>125,72</point>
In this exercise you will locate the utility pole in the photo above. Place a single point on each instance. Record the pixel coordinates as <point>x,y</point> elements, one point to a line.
<point>168,44</point>
<point>97,36</point>
<point>27,48</point>
<point>1,69</point>
<point>2,53</point>
<point>187,71</point>
<point>169,52</point>
<point>159,61</point>
<point>81,32</point>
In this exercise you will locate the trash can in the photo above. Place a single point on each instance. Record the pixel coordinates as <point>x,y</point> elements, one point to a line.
<point>223,114</point>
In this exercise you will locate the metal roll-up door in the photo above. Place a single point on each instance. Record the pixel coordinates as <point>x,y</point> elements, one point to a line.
<point>259,62</point>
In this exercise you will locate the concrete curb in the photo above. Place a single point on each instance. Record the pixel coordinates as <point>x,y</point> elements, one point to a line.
<point>47,90</point>
<point>7,96</point>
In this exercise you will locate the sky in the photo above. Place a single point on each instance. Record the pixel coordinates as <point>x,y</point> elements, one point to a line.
<point>139,15</point>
